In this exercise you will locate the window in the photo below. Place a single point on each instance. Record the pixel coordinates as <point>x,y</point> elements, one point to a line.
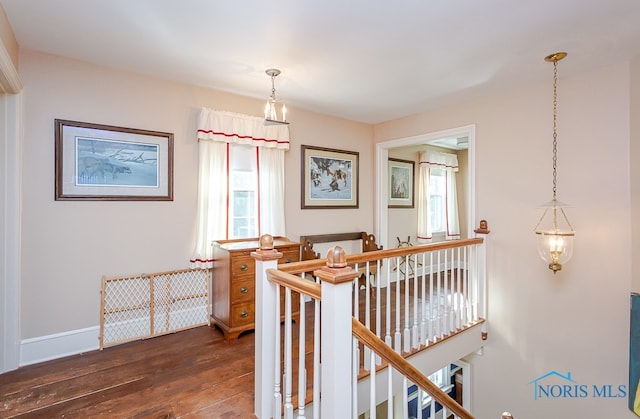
<point>240,180</point>
<point>243,206</point>
<point>437,197</point>
<point>437,201</point>
<point>243,193</point>
<point>443,378</point>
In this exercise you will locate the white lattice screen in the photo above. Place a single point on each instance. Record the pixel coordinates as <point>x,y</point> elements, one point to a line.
<point>147,305</point>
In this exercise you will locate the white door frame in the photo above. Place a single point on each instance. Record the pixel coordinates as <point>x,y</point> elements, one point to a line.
<point>382,155</point>
<point>10,247</point>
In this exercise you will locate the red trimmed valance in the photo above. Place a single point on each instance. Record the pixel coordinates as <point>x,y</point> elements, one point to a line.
<point>236,128</point>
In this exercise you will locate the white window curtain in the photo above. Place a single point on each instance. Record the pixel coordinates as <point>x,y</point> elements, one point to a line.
<point>217,132</point>
<point>448,163</point>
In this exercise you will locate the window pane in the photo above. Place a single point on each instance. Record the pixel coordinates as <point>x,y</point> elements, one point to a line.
<point>243,220</point>
<point>243,208</point>
<point>437,200</point>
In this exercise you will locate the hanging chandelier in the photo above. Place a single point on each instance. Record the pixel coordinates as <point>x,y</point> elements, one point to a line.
<point>270,111</point>
<point>554,231</point>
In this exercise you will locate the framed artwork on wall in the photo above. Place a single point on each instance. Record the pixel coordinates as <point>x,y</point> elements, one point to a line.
<point>329,178</point>
<point>401,183</point>
<point>107,163</point>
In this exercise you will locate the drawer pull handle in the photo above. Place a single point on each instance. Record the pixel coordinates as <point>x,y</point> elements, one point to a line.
<point>244,290</point>
<point>287,261</point>
<point>244,267</point>
<point>244,314</point>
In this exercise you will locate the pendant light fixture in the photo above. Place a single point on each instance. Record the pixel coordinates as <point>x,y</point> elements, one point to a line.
<point>554,231</point>
<point>270,111</point>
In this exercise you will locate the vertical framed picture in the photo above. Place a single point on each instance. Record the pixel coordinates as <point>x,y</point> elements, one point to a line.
<point>329,178</point>
<point>401,183</point>
<point>107,163</point>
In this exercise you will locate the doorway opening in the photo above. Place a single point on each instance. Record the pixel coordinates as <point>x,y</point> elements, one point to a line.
<point>461,138</point>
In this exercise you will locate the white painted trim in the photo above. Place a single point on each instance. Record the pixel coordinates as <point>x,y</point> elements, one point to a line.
<point>382,154</point>
<point>58,345</point>
<point>11,135</point>
<point>9,80</point>
<point>467,396</point>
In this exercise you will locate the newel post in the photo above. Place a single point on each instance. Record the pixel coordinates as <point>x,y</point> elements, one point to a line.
<point>483,230</point>
<point>336,313</point>
<point>266,257</point>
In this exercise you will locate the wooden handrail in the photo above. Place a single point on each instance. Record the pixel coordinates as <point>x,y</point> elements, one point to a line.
<point>372,256</point>
<point>296,283</point>
<point>387,353</point>
<point>301,267</point>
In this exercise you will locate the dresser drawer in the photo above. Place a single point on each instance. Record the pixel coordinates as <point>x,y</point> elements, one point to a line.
<point>243,314</point>
<point>289,255</point>
<point>242,266</point>
<point>243,290</point>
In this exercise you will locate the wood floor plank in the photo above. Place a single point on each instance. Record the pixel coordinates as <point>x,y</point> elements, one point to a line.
<point>193,373</point>
<point>138,379</point>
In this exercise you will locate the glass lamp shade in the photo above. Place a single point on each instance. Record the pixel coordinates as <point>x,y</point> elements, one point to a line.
<point>270,110</point>
<point>271,114</point>
<point>555,236</point>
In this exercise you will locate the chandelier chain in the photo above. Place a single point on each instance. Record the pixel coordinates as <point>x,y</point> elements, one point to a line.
<point>555,127</point>
<point>273,86</point>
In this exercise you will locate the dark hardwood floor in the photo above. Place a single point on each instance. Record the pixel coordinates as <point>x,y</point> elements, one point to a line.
<point>193,373</point>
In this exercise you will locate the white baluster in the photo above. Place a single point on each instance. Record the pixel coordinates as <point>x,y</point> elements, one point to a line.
<point>367,315</point>
<point>431,302</point>
<point>277,396</point>
<point>447,293</point>
<point>288,358</point>
<point>407,332</point>
<point>465,287</point>
<point>372,390</point>
<point>302,371</point>
<point>316,358</point>
<point>387,337</point>
<point>438,301</point>
<point>423,309</point>
<point>378,311</point>
<point>416,301</point>
<point>397,345</point>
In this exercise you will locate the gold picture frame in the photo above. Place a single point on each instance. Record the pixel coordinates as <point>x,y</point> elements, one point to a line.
<point>329,178</point>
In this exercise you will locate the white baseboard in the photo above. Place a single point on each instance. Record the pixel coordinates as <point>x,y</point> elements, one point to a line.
<point>45,348</point>
<point>73,342</point>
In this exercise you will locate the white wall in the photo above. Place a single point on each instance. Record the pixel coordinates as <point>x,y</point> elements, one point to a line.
<point>578,320</point>
<point>68,246</point>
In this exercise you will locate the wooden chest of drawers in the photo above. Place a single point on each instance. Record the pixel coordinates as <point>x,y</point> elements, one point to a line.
<point>233,283</point>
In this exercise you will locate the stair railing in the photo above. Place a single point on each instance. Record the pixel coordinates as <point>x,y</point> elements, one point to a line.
<point>275,394</point>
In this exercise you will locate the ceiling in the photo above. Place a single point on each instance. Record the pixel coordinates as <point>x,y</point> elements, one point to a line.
<point>364,60</point>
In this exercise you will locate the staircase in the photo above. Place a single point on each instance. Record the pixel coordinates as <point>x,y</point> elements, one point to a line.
<point>370,340</point>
